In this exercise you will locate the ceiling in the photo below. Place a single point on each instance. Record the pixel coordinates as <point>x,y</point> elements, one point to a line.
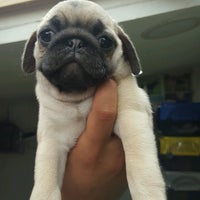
<point>165,42</point>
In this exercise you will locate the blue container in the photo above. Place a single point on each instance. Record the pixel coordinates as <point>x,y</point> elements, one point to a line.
<point>179,119</point>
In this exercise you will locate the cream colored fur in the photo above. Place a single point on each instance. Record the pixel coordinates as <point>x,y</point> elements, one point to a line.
<point>62,118</point>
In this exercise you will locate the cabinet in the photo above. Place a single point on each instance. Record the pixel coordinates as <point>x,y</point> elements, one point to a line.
<point>177,127</point>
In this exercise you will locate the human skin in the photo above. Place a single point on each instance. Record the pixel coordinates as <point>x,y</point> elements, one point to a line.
<point>95,169</point>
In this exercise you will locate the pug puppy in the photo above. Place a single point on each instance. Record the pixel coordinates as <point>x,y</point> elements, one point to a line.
<point>76,47</point>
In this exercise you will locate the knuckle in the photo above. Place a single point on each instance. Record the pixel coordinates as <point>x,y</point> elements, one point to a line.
<point>118,157</point>
<point>107,114</point>
<point>89,162</point>
<point>117,165</point>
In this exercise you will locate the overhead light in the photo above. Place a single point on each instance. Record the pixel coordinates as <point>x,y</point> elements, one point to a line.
<point>171,28</point>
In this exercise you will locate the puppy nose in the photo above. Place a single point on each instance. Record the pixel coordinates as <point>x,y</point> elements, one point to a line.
<point>75,44</point>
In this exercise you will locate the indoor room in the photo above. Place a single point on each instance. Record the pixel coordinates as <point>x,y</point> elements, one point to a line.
<point>165,35</point>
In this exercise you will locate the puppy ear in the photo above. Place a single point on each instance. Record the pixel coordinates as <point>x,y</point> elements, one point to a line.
<point>28,60</point>
<point>130,53</point>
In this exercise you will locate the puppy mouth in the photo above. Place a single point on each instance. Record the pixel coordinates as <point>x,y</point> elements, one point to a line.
<point>75,76</point>
<point>74,66</point>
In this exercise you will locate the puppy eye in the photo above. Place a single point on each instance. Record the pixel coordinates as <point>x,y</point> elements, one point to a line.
<point>106,42</point>
<point>46,36</point>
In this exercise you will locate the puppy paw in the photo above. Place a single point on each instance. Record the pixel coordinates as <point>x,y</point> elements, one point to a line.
<point>55,195</point>
<point>39,194</point>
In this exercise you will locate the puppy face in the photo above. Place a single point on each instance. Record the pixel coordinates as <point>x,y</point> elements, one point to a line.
<point>77,46</point>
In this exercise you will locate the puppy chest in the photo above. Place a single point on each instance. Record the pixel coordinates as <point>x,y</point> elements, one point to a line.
<point>71,113</point>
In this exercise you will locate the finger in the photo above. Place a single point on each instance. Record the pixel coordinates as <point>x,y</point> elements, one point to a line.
<point>114,156</point>
<point>103,113</point>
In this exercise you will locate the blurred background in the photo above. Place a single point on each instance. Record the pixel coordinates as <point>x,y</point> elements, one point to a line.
<point>166,34</point>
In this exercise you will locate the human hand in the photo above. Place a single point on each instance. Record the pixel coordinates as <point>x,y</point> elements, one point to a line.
<point>95,168</point>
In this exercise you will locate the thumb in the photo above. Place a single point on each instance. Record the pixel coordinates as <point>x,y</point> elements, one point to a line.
<point>103,113</point>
